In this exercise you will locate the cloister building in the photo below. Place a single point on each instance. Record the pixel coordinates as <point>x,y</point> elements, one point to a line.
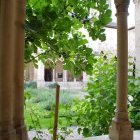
<point>44,75</point>
<point>12,17</point>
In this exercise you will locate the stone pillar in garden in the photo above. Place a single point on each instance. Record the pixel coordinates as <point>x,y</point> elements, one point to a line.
<point>40,75</point>
<point>19,125</point>
<point>7,131</point>
<point>65,76</point>
<point>53,75</point>
<point>121,127</point>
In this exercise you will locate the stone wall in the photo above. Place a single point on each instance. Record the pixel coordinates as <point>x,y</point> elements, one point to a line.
<point>137,34</point>
<point>63,80</point>
<point>110,45</point>
<point>30,73</point>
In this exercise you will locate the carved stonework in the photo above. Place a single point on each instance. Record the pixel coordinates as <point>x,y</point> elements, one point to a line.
<point>120,2</point>
<point>122,5</point>
<point>121,127</point>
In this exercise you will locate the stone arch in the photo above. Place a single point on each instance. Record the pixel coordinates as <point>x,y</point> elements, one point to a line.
<point>59,71</point>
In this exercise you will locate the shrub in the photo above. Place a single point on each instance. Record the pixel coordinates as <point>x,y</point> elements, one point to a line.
<point>52,85</point>
<point>97,110</point>
<point>30,84</point>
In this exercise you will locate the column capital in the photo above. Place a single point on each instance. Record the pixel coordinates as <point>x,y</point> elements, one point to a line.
<point>136,1</point>
<point>122,6</point>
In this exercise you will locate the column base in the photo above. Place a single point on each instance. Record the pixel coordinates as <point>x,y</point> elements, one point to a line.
<point>120,130</point>
<point>21,133</point>
<point>8,135</point>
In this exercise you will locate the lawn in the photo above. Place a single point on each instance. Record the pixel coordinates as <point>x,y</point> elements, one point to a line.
<point>40,104</point>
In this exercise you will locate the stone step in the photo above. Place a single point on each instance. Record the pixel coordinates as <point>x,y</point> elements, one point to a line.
<point>105,137</point>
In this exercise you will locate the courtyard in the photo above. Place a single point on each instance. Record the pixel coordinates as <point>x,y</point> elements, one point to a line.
<point>69,70</point>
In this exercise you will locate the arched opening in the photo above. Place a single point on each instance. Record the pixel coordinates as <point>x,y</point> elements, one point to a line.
<point>80,78</point>
<point>48,74</point>
<point>59,71</point>
<point>70,77</point>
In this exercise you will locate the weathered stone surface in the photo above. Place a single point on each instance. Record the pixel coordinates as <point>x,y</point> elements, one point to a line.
<point>75,136</point>
<point>137,40</point>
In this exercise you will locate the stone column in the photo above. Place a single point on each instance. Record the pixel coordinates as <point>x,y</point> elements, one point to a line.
<point>7,131</point>
<point>137,35</point>
<point>64,76</point>
<point>35,74</point>
<point>19,124</point>
<point>53,75</point>
<point>121,126</point>
<point>84,77</point>
<point>40,75</point>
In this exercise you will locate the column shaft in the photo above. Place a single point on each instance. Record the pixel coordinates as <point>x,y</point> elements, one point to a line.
<point>7,16</point>
<point>121,127</point>
<point>19,71</point>
<point>122,61</point>
<point>40,75</point>
<point>85,77</point>
<point>64,76</point>
<point>53,75</point>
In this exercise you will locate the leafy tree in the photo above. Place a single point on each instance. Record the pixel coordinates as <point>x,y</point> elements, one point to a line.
<point>96,111</point>
<point>53,30</point>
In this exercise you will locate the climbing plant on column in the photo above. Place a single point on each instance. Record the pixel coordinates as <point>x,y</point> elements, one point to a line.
<point>53,30</point>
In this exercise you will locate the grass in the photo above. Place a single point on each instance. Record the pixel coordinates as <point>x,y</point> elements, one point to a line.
<point>39,108</point>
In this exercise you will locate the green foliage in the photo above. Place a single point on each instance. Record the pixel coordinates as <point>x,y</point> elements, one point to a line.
<point>38,117</point>
<point>134,104</point>
<point>53,31</point>
<point>52,85</point>
<point>93,115</point>
<point>46,97</point>
<point>39,108</point>
<point>30,84</point>
<point>97,110</point>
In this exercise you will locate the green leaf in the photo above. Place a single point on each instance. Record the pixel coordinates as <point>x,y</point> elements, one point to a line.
<point>102,37</point>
